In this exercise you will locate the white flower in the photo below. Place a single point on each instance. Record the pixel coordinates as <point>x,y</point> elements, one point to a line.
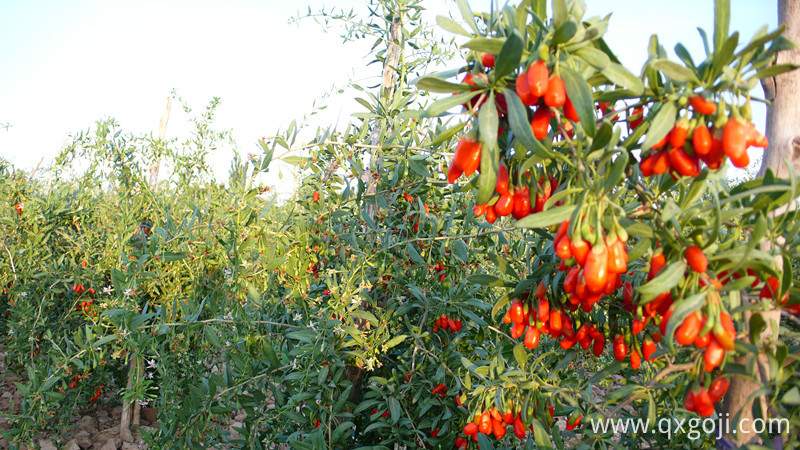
<point>298,317</point>
<point>128,292</point>
<point>107,290</point>
<point>228,272</point>
<point>370,363</point>
<point>151,364</point>
<point>23,294</point>
<point>312,326</point>
<point>338,330</point>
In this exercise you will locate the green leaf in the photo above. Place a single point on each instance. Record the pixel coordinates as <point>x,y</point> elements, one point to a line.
<point>662,123</point>
<point>172,256</point>
<point>608,370</point>
<point>343,428</point>
<point>539,8</point>
<point>366,315</point>
<point>510,55</point>
<point>272,357</point>
<point>639,249</point>
<point>596,58</point>
<point>396,340</point>
<point>546,218</point>
<point>499,304</point>
<point>485,280</point>
<point>414,255</point>
<point>394,409</point>
<point>435,84</point>
<point>724,55</point>
<point>680,311</point>
<point>666,280</point>
<point>619,75</point>
<point>565,32</point>
<point>617,171</point>
<point>722,21</point>
<point>684,55</point>
<point>441,106</point>
<point>675,71</point>
<point>760,39</point>
<point>294,160</point>
<point>303,335</point>
<point>791,397</point>
<point>757,325</point>
<point>467,14</point>
<point>521,354</point>
<point>603,136</point>
<point>484,442</point>
<point>275,263</point>
<point>451,25</point>
<point>212,336</point>
<point>580,94</point>
<point>488,121</point>
<point>486,45</point>
<point>487,124</point>
<point>560,12</point>
<point>540,435</point>
<point>460,250</point>
<point>773,70</point>
<point>639,229</point>
<point>521,127</point>
<point>447,134</point>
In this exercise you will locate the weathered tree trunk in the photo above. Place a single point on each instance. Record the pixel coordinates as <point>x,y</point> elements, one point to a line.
<point>783,132</point>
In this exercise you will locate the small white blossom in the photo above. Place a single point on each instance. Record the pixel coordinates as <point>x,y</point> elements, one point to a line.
<point>151,364</point>
<point>107,290</point>
<point>312,326</point>
<point>370,363</point>
<point>23,294</point>
<point>338,330</point>
<point>228,272</point>
<point>128,292</point>
<point>298,317</point>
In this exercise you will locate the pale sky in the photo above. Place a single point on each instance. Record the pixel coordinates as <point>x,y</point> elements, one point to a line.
<point>68,64</point>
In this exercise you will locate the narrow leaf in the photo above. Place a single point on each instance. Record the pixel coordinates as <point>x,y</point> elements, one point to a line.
<point>451,25</point>
<point>518,121</point>
<point>580,94</point>
<point>722,21</point>
<point>662,123</point>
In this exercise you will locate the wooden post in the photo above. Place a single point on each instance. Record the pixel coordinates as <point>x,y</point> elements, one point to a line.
<point>155,164</point>
<point>355,374</point>
<point>131,411</point>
